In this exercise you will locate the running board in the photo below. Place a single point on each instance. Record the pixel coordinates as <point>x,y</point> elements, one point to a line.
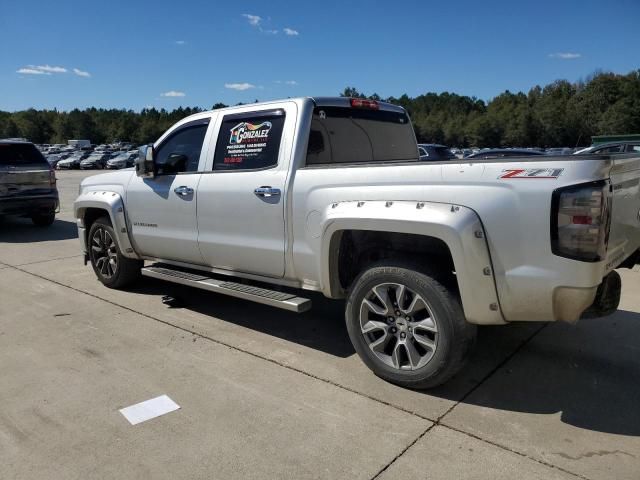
<point>272,298</point>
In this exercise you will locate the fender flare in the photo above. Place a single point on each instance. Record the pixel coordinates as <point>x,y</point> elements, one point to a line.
<point>458,227</point>
<point>113,204</point>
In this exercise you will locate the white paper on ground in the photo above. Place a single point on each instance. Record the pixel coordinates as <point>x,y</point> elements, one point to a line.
<point>143,411</point>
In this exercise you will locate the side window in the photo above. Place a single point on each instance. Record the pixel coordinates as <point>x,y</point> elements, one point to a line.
<point>633,148</point>
<point>180,152</point>
<point>249,141</point>
<point>423,152</point>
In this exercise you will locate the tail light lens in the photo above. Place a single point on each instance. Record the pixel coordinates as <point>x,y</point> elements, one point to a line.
<point>52,177</point>
<point>580,221</point>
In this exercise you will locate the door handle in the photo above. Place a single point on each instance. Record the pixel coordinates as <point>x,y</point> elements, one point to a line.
<point>267,192</point>
<point>183,191</point>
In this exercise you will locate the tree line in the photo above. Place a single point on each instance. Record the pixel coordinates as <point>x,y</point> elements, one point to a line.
<point>560,114</point>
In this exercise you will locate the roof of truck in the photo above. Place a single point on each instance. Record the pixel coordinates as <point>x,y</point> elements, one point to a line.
<point>323,102</point>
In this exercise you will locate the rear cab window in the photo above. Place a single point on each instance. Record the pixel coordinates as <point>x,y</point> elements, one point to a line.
<point>17,154</point>
<point>249,141</point>
<point>344,135</point>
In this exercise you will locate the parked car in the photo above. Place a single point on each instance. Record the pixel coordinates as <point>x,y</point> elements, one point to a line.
<point>611,147</point>
<point>504,152</point>
<point>53,160</point>
<point>27,183</point>
<point>124,160</point>
<point>73,162</point>
<point>95,160</point>
<point>328,194</point>
<point>116,153</point>
<point>433,152</point>
<point>559,151</point>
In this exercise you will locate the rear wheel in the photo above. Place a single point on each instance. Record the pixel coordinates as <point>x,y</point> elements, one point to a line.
<point>111,267</point>
<point>43,219</point>
<point>407,327</point>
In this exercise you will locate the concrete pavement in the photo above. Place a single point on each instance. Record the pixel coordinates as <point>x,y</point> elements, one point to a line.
<point>266,393</point>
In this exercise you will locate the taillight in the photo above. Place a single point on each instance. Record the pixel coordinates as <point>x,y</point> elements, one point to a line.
<point>363,103</point>
<point>580,221</point>
<point>52,177</point>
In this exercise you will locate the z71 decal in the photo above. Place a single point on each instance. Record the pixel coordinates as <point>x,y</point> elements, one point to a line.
<point>532,173</point>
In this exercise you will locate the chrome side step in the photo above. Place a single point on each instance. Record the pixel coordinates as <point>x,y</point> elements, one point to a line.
<point>272,298</point>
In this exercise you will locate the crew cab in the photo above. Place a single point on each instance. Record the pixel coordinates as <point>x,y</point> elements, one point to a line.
<point>27,183</point>
<point>267,200</point>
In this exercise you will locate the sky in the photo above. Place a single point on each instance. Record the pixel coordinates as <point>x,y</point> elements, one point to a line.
<point>154,53</point>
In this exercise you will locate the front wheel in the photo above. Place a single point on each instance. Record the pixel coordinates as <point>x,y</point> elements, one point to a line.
<point>112,268</point>
<point>407,327</point>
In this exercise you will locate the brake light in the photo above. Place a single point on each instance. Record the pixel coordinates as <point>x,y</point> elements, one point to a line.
<point>580,221</point>
<point>363,103</point>
<point>52,177</point>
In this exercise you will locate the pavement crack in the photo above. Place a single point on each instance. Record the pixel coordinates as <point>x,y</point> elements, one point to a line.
<point>516,452</point>
<point>404,450</point>
<point>504,361</point>
<point>43,261</point>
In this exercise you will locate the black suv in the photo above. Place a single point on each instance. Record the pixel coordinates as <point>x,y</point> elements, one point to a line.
<point>27,183</point>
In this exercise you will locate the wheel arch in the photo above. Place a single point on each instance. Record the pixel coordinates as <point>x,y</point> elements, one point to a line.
<point>90,206</point>
<point>441,235</point>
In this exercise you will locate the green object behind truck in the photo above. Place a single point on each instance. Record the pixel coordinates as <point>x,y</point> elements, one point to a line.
<point>598,139</point>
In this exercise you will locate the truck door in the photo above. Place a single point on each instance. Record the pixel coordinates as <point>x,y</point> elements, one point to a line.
<point>162,210</point>
<point>241,216</point>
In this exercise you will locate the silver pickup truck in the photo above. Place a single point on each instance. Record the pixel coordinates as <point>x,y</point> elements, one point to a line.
<point>329,195</point>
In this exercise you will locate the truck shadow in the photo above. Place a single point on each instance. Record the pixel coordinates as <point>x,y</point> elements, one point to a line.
<point>322,328</point>
<point>589,373</point>
<point>22,230</point>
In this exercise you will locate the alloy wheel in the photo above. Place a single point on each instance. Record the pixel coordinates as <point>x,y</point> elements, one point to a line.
<point>104,254</point>
<point>399,326</point>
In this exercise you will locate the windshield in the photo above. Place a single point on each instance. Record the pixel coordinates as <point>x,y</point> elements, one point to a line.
<point>20,154</point>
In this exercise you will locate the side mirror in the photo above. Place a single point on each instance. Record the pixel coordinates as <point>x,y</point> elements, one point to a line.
<point>145,163</point>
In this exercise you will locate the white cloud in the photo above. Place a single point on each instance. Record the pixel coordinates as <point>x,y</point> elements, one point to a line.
<point>565,55</point>
<point>253,20</point>
<point>81,73</point>
<point>180,42</point>
<point>31,71</point>
<point>173,93</point>
<point>49,68</point>
<point>291,82</point>
<point>239,86</point>
<point>41,70</point>
<point>291,32</point>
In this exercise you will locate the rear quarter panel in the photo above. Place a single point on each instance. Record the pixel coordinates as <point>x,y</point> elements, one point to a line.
<point>515,214</point>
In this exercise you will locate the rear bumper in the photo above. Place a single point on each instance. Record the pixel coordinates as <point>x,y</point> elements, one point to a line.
<point>29,205</point>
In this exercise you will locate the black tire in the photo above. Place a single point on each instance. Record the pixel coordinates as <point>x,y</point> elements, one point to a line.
<point>43,219</point>
<point>102,244</point>
<point>453,341</point>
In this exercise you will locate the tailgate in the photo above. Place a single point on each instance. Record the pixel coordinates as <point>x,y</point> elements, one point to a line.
<point>23,170</point>
<point>624,237</point>
<point>24,180</point>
